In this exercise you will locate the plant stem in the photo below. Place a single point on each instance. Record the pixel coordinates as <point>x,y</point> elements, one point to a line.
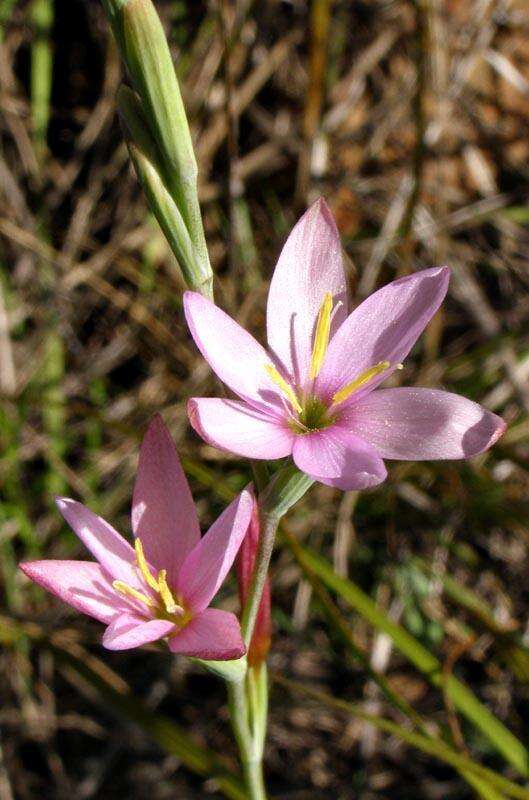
<point>268,523</point>
<point>253,775</point>
<point>251,758</point>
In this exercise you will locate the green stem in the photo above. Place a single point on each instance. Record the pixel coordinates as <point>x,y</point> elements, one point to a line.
<point>253,775</point>
<point>268,522</point>
<point>287,486</point>
<point>257,694</point>
<point>251,758</point>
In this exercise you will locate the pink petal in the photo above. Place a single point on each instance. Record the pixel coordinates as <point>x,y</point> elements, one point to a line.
<point>232,353</point>
<point>113,552</point>
<point>239,428</point>
<point>130,630</point>
<point>81,584</point>
<point>336,457</point>
<point>213,635</point>
<point>310,265</point>
<point>414,424</point>
<point>383,328</point>
<point>163,512</point>
<point>207,564</point>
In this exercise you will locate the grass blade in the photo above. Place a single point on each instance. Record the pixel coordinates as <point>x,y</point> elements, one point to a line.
<point>434,747</point>
<point>462,697</point>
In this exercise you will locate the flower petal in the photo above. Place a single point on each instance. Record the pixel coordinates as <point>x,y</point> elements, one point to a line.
<point>310,265</point>
<point>207,564</point>
<point>163,512</point>
<point>232,353</point>
<point>236,427</point>
<point>213,635</point>
<point>113,552</point>
<point>81,584</point>
<point>414,424</point>
<point>337,457</point>
<point>130,630</point>
<point>383,328</point>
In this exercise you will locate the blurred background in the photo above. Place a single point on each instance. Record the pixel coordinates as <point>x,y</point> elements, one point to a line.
<point>412,119</point>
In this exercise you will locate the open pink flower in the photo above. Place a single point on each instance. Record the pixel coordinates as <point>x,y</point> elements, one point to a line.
<point>162,587</point>
<point>310,395</point>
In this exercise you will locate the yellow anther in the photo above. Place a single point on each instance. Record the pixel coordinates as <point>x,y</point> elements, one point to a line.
<point>124,588</point>
<point>362,379</point>
<point>321,337</point>
<point>165,593</point>
<point>147,575</point>
<point>286,389</point>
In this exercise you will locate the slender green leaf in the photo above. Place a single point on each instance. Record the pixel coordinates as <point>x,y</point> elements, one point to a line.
<point>508,643</point>
<point>462,697</point>
<point>426,744</point>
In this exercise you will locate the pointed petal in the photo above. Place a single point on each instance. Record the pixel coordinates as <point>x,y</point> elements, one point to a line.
<point>206,566</point>
<point>418,424</point>
<point>310,265</point>
<point>213,635</point>
<point>383,328</point>
<point>232,353</point>
<point>237,427</point>
<point>337,457</point>
<point>163,512</point>
<point>113,552</point>
<point>129,630</point>
<point>81,584</point>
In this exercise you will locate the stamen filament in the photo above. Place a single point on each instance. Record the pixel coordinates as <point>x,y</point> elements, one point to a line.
<point>285,388</point>
<point>362,379</point>
<point>144,567</point>
<point>321,337</point>
<point>165,593</point>
<point>124,588</point>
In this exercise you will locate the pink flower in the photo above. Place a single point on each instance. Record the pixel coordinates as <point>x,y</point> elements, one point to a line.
<point>262,632</point>
<point>162,587</point>
<point>311,394</point>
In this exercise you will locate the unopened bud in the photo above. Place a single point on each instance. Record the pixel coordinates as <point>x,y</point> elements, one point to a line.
<point>149,169</point>
<point>141,39</point>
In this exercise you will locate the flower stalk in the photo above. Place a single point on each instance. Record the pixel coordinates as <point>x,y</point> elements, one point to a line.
<point>251,753</point>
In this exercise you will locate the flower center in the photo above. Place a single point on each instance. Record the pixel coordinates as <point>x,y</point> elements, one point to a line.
<point>165,605</point>
<point>307,413</point>
<point>313,416</point>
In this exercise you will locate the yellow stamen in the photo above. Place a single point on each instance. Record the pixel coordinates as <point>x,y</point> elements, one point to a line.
<point>321,337</point>
<point>147,575</point>
<point>124,588</point>
<point>286,389</point>
<point>362,379</point>
<point>165,593</point>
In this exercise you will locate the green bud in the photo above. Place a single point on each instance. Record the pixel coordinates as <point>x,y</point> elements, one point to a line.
<point>141,39</point>
<point>149,169</point>
<point>149,62</point>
